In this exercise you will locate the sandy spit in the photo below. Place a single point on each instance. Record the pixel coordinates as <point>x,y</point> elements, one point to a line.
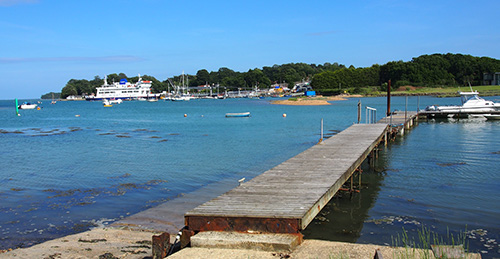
<point>319,100</point>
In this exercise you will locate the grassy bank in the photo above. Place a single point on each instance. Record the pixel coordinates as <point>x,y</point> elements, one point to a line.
<point>484,90</point>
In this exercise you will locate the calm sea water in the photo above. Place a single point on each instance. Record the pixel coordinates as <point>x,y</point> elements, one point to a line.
<point>63,173</point>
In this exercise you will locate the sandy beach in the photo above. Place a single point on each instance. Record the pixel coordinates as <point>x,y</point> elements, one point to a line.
<point>124,243</point>
<point>318,100</point>
<point>96,243</point>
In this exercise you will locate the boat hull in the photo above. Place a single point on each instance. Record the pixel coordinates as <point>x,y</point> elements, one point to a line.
<point>492,116</point>
<point>462,109</point>
<point>238,115</point>
<point>27,106</point>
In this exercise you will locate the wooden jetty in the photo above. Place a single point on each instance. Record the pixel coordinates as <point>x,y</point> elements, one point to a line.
<point>400,121</point>
<point>286,198</point>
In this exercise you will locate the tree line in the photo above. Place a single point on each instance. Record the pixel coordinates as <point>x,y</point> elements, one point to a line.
<point>434,70</point>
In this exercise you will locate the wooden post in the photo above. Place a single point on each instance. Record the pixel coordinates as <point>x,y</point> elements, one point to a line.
<point>161,245</point>
<point>186,237</point>
<point>372,159</point>
<point>321,129</point>
<point>389,98</point>
<point>359,172</point>
<point>406,108</point>
<point>321,133</point>
<point>359,111</point>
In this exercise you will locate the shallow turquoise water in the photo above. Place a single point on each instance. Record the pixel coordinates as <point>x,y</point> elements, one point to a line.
<point>62,174</point>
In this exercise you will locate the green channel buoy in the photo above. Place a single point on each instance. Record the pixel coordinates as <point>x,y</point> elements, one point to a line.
<point>17,108</point>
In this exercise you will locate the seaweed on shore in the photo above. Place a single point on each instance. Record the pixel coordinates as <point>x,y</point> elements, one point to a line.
<point>450,164</point>
<point>53,256</point>
<point>80,227</point>
<point>155,182</point>
<point>107,256</point>
<point>125,175</point>
<point>122,188</point>
<point>135,252</point>
<point>107,133</point>
<point>144,130</point>
<point>83,197</point>
<point>73,129</point>
<point>7,132</point>
<point>92,240</point>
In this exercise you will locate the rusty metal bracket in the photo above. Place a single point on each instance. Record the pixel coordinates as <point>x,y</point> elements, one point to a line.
<point>243,224</point>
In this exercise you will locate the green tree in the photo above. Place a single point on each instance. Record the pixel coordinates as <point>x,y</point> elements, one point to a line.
<point>68,90</point>
<point>255,77</point>
<point>202,77</point>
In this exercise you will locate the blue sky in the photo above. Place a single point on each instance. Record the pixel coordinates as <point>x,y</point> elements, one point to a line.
<point>45,43</point>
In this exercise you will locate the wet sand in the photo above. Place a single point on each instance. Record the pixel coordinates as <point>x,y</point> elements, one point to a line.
<point>120,243</point>
<point>318,100</point>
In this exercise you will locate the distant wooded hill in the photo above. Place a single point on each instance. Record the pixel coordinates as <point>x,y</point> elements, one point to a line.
<point>427,70</point>
<point>51,95</point>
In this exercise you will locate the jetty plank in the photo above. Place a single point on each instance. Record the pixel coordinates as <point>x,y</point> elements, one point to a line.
<point>286,198</point>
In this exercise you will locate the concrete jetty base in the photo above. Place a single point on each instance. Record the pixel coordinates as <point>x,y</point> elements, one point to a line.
<point>237,240</point>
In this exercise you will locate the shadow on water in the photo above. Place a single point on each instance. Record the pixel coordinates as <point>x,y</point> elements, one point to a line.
<point>343,217</point>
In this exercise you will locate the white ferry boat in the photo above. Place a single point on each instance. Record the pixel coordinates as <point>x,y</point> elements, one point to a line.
<point>123,90</point>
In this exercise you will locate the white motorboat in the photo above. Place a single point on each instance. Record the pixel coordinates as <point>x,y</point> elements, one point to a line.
<point>115,101</point>
<point>27,106</point>
<point>106,103</point>
<point>471,103</point>
<point>181,98</point>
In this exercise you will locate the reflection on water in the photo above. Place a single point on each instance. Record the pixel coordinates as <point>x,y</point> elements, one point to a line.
<point>343,217</point>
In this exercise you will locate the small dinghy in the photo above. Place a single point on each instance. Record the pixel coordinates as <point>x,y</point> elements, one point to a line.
<point>239,114</point>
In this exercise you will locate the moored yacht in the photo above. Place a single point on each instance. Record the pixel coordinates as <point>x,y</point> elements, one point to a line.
<point>471,103</point>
